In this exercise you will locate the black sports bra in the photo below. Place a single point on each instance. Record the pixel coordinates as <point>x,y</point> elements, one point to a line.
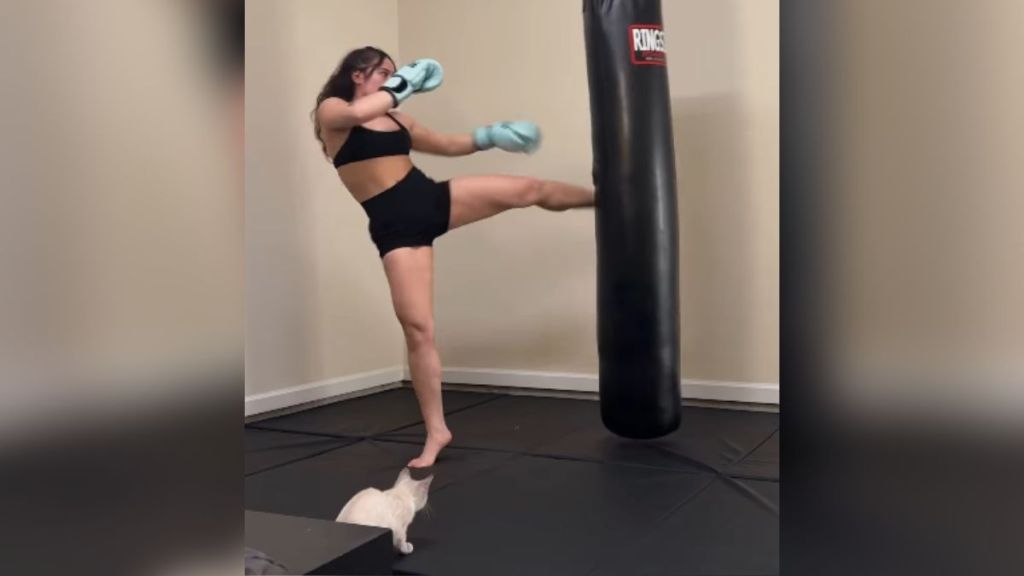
<point>363,144</point>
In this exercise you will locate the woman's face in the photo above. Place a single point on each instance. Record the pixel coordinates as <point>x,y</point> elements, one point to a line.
<point>370,81</point>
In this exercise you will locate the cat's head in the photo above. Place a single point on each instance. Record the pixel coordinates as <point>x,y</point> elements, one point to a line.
<point>417,488</point>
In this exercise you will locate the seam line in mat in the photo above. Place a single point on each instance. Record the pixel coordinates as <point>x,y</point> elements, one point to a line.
<point>257,426</point>
<point>317,434</point>
<point>556,457</point>
<point>747,455</point>
<point>699,465</point>
<point>446,414</point>
<point>306,457</point>
<point>654,525</point>
<point>688,499</point>
<point>707,467</point>
<point>754,449</point>
<point>703,467</point>
<point>754,478</point>
<point>752,494</point>
<point>291,445</point>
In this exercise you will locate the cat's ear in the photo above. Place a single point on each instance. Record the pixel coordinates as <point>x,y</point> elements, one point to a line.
<point>426,482</point>
<point>403,476</point>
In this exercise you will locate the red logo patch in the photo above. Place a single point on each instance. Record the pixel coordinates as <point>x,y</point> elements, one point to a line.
<point>647,44</point>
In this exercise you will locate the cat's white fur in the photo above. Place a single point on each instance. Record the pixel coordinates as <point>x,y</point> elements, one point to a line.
<point>393,508</point>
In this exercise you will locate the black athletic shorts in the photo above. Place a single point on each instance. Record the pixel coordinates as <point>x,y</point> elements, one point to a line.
<point>411,213</point>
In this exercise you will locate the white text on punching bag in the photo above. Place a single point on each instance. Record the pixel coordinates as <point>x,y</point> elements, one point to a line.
<point>648,40</point>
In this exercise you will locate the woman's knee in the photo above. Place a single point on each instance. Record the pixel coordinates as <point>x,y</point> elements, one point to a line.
<point>530,192</point>
<point>418,331</point>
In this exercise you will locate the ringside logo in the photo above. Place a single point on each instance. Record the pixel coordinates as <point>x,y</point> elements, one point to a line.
<point>647,44</point>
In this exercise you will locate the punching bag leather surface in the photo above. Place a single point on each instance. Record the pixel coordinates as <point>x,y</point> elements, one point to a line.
<point>636,223</point>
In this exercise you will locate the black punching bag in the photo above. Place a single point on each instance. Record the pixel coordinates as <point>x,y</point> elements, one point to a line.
<point>636,224</point>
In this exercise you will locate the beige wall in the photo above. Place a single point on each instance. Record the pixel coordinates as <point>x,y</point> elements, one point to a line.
<point>516,292</point>
<point>925,213</point>
<point>724,84</point>
<point>120,232</point>
<point>317,305</point>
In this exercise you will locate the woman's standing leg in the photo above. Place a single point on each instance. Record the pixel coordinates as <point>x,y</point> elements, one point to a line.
<point>410,273</point>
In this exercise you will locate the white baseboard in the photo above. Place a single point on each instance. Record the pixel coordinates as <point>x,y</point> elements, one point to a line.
<point>751,392</point>
<point>295,395</point>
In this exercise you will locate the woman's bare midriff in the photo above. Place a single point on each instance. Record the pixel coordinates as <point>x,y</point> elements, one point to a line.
<point>367,178</point>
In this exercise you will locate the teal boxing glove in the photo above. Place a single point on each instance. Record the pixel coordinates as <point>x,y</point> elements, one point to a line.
<point>509,136</point>
<point>422,75</point>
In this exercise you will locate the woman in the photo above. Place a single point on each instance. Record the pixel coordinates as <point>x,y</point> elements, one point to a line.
<point>369,144</point>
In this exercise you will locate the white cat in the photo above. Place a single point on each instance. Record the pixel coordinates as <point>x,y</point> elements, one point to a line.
<point>393,508</point>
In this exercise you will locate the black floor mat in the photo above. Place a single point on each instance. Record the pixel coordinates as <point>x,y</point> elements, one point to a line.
<point>762,463</point>
<point>265,449</point>
<point>711,440</point>
<point>534,485</point>
<point>513,423</point>
<point>368,415</point>
<point>730,528</point>
<point>318,487</point>
<point>542,516</point>
<point>708,439</point>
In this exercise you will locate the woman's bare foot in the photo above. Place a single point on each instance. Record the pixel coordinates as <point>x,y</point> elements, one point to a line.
<point>435,442</point>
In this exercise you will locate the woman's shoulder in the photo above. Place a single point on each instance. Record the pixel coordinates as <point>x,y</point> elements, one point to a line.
<point>329,114</point>
<point>406,120</point>
<point>331,104</point>
<point>334,101</point>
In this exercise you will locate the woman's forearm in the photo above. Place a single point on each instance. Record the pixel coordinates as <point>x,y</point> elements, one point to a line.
<point>461,145</point>
<point>372,106</point>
